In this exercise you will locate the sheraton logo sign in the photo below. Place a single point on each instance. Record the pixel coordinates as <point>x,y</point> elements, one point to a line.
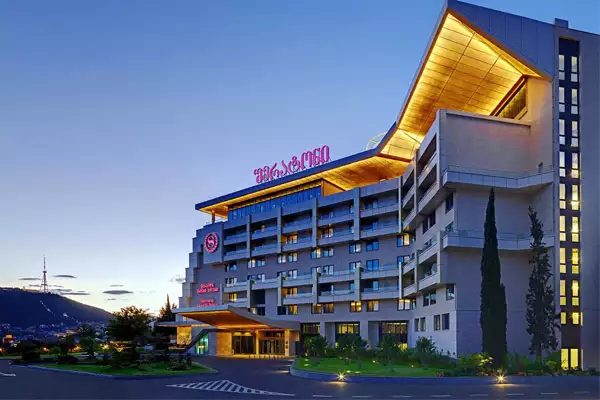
<point>308,159</point>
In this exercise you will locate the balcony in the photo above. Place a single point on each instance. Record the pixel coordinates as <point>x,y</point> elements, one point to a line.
<point>272,283</point>
<point>408,200</point>
<point>301,243</point>
<point>235,255</point>
<point>390,185</point>
<point>426,204</point>
<point>385,271</point>
<point>429,251</point>
<point>337,295</point>
<point>237,238</point>
<point>243,302</point>
<point>264,233</point>
<point>300,298</point>
<point>427,171</point>
<point>409,266</point>
<point>300,280</point>
<point>390,228</point>
<point>236,287</point>
<point>382,292</point>
<point>455,174</point>
<point>431,279</point>
<point>337,276</point>
<point>264,249</point>
<point>297,226</point>
<point>410,218</point>
<point>381,209</point>
<point>336,218</point>
<point>409,290</point>
<point>506,241</point>
<point>339,236</point>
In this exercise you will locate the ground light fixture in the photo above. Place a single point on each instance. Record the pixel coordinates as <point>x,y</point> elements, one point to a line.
<point>341,376</point>
<point>500,379</point>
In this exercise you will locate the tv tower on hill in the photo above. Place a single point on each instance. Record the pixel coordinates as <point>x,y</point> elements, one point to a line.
<point>44,285</point>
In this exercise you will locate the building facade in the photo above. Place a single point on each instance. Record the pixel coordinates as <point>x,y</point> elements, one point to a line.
<point>389,240</point>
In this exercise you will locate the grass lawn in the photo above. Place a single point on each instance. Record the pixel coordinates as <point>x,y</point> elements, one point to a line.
<point>369,368</point>
<point>150,369</point>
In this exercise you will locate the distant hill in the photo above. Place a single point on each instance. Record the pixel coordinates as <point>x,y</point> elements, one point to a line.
<point>23,308</point>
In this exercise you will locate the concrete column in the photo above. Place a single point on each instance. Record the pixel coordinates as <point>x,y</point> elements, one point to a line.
<point>364,331</point>
<point>315,286</point>
<point>315,220</point>
<point>323,329</point>
<point>256,342</point>
<point>356,195</point>
<point>279,225</point>
<point>357,273</point>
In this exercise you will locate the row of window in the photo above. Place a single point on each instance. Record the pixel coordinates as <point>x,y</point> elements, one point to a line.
<point>574,292</point>
<point>372,306</point>
<point>440,322</point>
<point>280,201</point>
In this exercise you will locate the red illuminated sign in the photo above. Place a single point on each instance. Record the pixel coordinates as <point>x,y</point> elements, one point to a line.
<point>308,159</point>
<point>207,288</point>
<point>211,242</point>
<point>207,303</point>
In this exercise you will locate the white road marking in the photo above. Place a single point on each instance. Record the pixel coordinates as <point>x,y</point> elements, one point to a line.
<point>362,397</point>
<point>401,396</point>
<point>478,395</point>
<point>515,394</point>
<point>549,394</point>
<point>441,395</point>
<point>226,386</point>
<point>3,374</point>
<point>322,395</point>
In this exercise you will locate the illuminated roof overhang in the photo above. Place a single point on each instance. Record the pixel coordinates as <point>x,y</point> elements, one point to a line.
<point>229,317</point>
<point>463,69</point>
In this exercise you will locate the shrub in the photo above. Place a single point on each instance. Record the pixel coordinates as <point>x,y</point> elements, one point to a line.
<point>475,364</point>
<point>316,346</point>
<point>67,344</point>
<point>68,359</point>
<point>89,346</point>
<point>55,351</point>
<point>425,346</point>
<point>390,348</point>
<point>29,351</point>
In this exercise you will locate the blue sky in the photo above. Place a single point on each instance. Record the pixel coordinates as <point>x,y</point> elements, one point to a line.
<point>118,116</point>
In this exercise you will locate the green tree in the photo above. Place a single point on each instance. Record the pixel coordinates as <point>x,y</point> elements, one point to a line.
<point>541,311</point>
<point>493,294</point>
<point>351,345</point>
<point>316,346</point>
<point>390,348</point>
<point>86,330</point>
<point>129,325</point>
<point>166,312</point>
<point>66,344</point>
<point>89,346</point>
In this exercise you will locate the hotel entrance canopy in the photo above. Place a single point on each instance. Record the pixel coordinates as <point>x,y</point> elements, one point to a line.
<point>230,317</point>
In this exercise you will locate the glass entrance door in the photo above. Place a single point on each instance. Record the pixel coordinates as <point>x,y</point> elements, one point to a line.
<point>242,344</point>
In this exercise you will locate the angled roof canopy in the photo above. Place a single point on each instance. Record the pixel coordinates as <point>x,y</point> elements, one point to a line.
<point>229,317</point>
<point>463,69</point>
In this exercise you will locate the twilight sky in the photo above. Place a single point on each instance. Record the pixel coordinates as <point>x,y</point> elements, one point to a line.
<point>118,116</point>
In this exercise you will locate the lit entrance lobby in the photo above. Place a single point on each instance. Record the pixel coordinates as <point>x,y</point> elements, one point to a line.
<point>235,331</point>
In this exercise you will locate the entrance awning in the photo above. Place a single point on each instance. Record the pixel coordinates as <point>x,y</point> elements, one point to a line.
<point>230,317</point>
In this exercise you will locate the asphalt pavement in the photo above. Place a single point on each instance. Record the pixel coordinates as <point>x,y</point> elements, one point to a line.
<point>265,379</point>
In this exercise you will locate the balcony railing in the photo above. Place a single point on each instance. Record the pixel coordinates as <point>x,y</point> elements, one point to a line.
<point>299,240</point>
<point>498,173</point>
<point>387,288</point>
<point>267,229</point>
<point>265,247</point>
<point>236,236</point>
<point>238,300</point>
<point>429,164</point>
<point>298,222</point>
<point>303,276</point>
<point>235,284</point>
<point>236,252</point>
<point>379,226</point>
<point>335,214</point>
<point>298,295</point>
<point>471,234</point>
<point>341,232</point>
<point>380,205</point>
<point>430,243</point>
<point>337,292</point>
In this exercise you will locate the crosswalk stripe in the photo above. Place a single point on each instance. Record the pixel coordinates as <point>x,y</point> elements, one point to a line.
<point>226,386</point>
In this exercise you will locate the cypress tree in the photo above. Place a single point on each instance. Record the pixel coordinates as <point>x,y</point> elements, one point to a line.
<point>493,294</point>
<point>541,311</point>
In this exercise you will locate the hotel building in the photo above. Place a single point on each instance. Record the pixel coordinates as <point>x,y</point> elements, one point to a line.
<point>389,240</point>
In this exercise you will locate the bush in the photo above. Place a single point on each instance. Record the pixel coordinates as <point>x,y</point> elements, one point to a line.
<point>29,351</point>
<point>315,346</point>
<point>55,351</point>
<point>67,359</point>
<point>475,364</point>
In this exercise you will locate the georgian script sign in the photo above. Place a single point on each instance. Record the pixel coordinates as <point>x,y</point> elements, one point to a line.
<point>207,303</point>
<point>207,288</point>
<point>308,159</point>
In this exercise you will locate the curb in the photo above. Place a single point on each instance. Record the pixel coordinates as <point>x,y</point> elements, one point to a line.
<point>422,380</point>
<point>118,377</point>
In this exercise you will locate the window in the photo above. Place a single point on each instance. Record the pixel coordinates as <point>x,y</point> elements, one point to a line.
<point>575,318</point>
<point>561,131</point>
<point>260,277</point>
<point>563,318</point>
<point>231,267</point>
<point>437,322</point>
<point>562,227</point>
<point>575,289</point>
<point>342,328</point>
<point>281,259</point>
<point>514,107</point>
<point>445,322</point>
<point>561,99</point>
<point>313,269</point>
<point>355,247</point>
<point>394,328</point>
<point>423,324</point>
<point>289,291</point>
<point>575,225</point>
<point>373,265</point>
<point>561,67</point>
<point>292,310</point>
<point>562,164</point>
<point>353,266</point>
<point>315,253</point>
<point>232,297</point>
<point>260,311</point>
<point>230,281</point>
<point>328,308</point>
<point>574,197</point>
<point>316,309</point>
<point>252,263</point>
<point>355,306</point>
<point>327,269</point>
<point>450,292</point>
<point>402,260</point>
<point>372,305</point>
<point>563,293</point>
<point>575,165</point>
<point>574,101</point>
<point>449,227</point>
<point>416,323</point>
<point>449,202</point>
<point>575,261</point>
<point>326,232</point>
<point>311,329</point>
<point>429,298</point>
<point>403,240</point>
<point>372,245</point>
<point>292,257</point>
<point>562,195</point>
<point>328,252</point>
<point>407,304</point>
<point>575,128</point>
<point>291,274</point>
<point>369,204</point>
<point>563,260</point>
<point>429,222</point>
<point>291,239</point>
